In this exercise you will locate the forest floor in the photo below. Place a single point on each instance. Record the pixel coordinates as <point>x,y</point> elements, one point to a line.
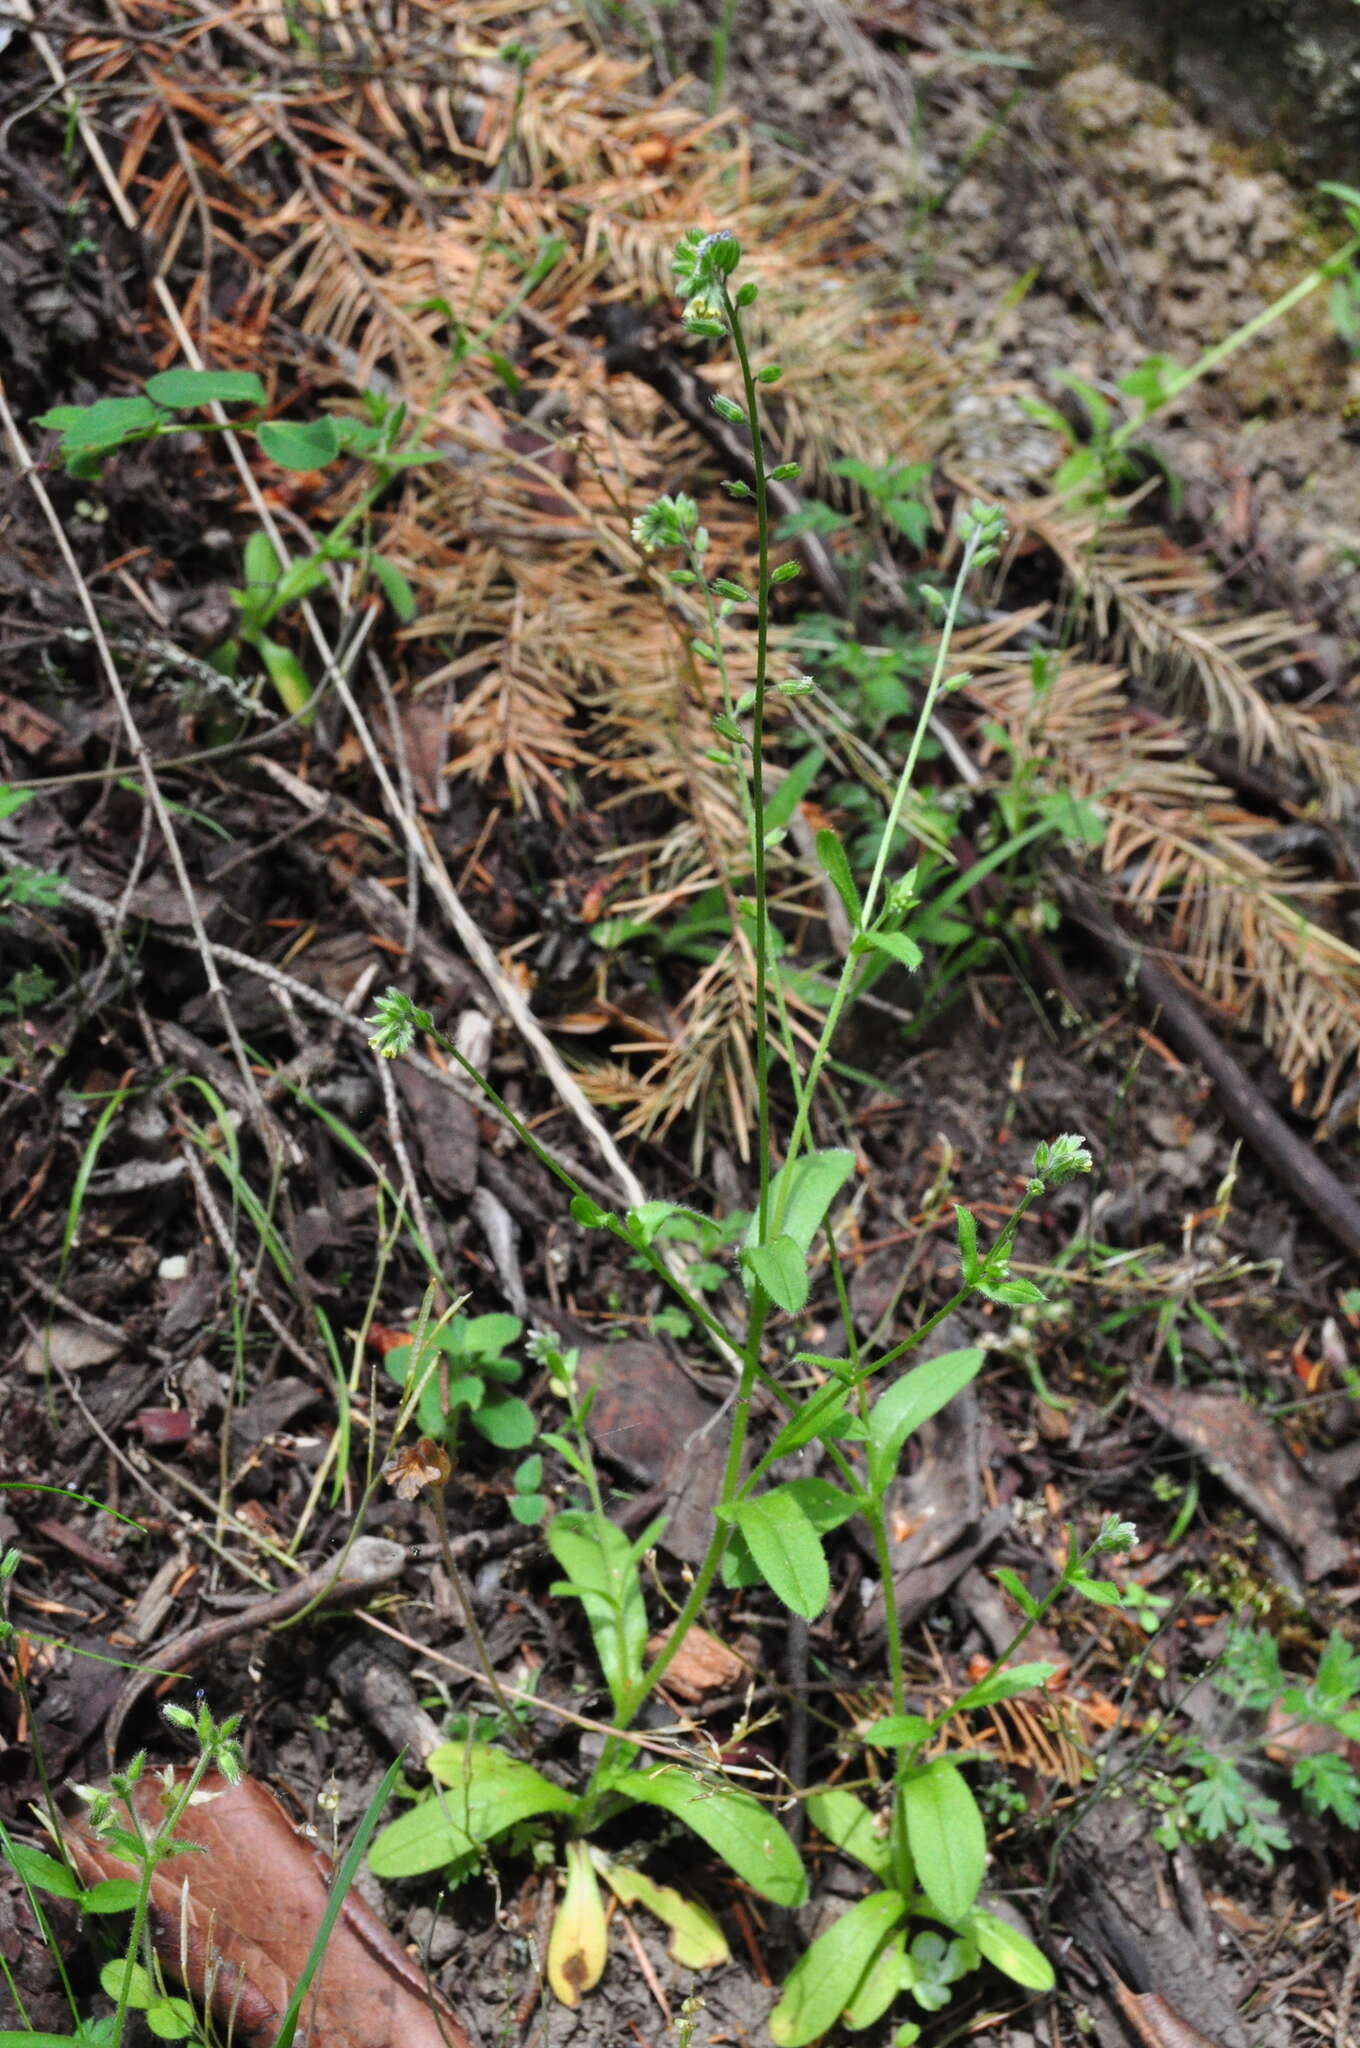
<point>221,1212</point>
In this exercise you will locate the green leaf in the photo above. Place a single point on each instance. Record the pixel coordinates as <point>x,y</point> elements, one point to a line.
<point>781,1269</point>
<point>502,1370</point>
<point>117,1971</point>
<point>835,865</point>
<point>935,1965</point>
<point>465,1390</point>
<point>801,1198</point>
<point>488,1792</point>
<point>104,425</point>
<point>487,1336</point>
<point>739,1568</point>
<point>505,370</point>
<point>735,1826</point>
<point>911,518</point>
<point>354,436</point>
<point>909,1402</point>
<point>11,798</point>
<point>791,791</point>
<point>504,1420</point>
<point>1328,1785</point>
<point>1097,408</point>
<point>814,1418</point>
<point>260,564</point>
<point>1338,1675</point>
<point>43,1873</point>
<point>1080,472</point>
<point>647,1222</point>
<point>824,1980</point>
<point>589,1214</point>
<point>170,2019</point>
<point>1010,1952</point>
<point>27,2040</point>
<point>879,1985</point>
<point>965,1224</point>
<point>1006,1684</point>
<point>602,1574</point>
<point>287,675</point>
<point>1102,1592</point>
<point>111,1895</point>
<point>182,390</point>
<point>395,588</point>
<point>895,944</point>
<point>697,1942</point>
<point>850,1827</point>
<point>787,1549</point>
<point>299,580</point>
<point>1011,1293</point>
<point>896,1731</point>
<point>299,444</point>
<point>826,1506</point>
<point>946,1837</point>
<point>1018,1591</point>
<point>1072,817</point>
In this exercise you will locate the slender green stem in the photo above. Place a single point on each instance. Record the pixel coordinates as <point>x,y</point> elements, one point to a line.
<point>717,72</point>
<point>1021,1636</point>
<point>892,1625</point>
<point>479,1649</point>
<point>43,1925</point>
<point>744,781</point>
<point>750,1365</point>
<point>1210,360</point>
<point>713,1556</point>
<point>156,1848</point>
<point>752,397</point>
<point>851,966</point>
<point>691,1303</point>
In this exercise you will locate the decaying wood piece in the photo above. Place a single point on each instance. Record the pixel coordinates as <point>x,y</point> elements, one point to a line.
<point>1295,1164</point>
<point>1248,1454</point>
<point>1164,1975</point>
<point>370,1562</point>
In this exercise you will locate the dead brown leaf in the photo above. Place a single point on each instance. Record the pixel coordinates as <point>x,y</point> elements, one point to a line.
<point>1157,2023</point>
<point>700,1666</point>
<point>235,1925</point>
<point>1250,1457</point>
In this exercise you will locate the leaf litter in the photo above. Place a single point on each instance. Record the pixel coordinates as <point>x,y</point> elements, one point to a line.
<point>561,675</point>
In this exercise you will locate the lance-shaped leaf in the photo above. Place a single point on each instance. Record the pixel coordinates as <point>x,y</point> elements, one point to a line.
<point>487,1792</point>
<point>827,1976</point>
<point>735,1826</point>
<point>909,1402</point>
<point>947,1839</point>
<point>787,1550</point>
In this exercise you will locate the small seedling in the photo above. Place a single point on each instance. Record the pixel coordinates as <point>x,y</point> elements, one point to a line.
<point>1306,1734</point>
<point>90,434</point>
<point>469,1381</point>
